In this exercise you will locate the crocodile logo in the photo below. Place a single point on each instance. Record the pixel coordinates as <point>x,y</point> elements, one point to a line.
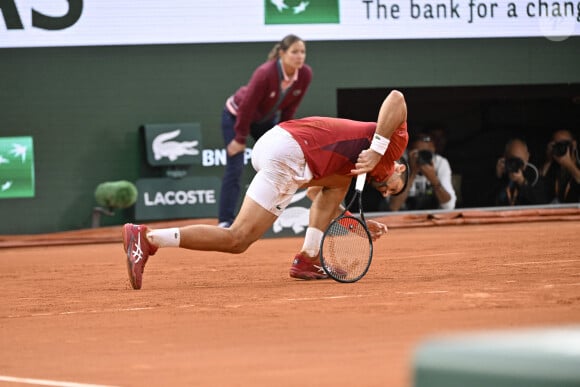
<point>164,147</point>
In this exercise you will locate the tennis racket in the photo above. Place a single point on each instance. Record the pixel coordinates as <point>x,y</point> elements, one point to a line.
<point>346,249</point>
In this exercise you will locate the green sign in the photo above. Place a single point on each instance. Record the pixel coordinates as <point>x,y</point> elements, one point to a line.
<point>168,198</point>
<point>301,11</point>
<point>173,144</point>
<point>16,167</point>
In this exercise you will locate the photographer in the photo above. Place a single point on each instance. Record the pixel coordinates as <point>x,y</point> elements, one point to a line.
<point>518,181</point>
<point>430,180</point>
<point>562,168</point>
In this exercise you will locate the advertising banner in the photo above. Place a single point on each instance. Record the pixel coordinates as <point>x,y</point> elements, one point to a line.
<point>34,23</point>
<point>197,197</point>
<point>16,167</point>
<point>173,144</point>
<point>169,198</point>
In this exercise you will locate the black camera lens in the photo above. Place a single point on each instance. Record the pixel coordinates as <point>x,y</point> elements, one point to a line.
<point>560,148</point>
<point>513,164</point>
<point>424,157</point>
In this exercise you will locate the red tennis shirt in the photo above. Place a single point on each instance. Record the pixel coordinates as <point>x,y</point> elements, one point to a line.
<point>331,145</point>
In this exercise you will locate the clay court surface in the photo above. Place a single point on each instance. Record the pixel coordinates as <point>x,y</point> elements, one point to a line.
<point>211,319</point>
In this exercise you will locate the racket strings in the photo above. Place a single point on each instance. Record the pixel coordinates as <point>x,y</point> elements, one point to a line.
<point>347,249</point>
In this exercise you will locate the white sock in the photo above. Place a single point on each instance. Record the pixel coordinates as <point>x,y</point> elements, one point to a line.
<point>312,240</point>
<point>165,237</point>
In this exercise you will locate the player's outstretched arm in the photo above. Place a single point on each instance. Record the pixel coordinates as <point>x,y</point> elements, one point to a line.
<point>392,114</point>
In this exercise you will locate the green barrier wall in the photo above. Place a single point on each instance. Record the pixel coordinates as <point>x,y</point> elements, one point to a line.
<point>84,105</point>
<point>541,357</point>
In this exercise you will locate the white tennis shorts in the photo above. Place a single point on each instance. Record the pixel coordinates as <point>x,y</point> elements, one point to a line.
<point>281,170</point>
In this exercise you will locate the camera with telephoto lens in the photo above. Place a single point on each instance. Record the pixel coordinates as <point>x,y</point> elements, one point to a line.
<point>424,157</point>
<point>560,148</point>
<point>514,164</point>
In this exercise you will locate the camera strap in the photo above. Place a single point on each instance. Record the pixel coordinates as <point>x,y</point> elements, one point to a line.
<point>511,195</point>
<point>557,189</point>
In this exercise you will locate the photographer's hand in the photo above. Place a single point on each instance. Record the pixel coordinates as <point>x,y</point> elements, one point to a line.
<point>550,150</point>
<point>428,170</point>
<point>440,192</point>
<point>567,161</point>
<point>413,163</point>
<point>517,177</point>
<point>500,167</point>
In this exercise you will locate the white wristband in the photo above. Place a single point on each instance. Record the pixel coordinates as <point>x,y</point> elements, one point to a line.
<point>380,144</point>
<point>165,237</point>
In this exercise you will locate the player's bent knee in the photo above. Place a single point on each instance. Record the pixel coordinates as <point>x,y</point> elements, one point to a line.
<point>240,242</point>
<point>238,248</point>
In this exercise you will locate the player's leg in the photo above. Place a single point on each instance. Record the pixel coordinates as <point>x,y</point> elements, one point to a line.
<point>140,242</point>
<point>250,224</point>
<point>281,171</point>
<point>325,205</point>
<point>277,159</point>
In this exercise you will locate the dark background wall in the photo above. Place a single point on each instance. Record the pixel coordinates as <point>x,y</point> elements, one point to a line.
<point>84,105</point>
<point>478,121</point>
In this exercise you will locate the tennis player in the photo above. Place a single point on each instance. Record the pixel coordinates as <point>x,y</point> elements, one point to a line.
<point>309,152</point>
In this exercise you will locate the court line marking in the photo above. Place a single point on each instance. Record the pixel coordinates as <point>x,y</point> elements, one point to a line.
<point>539,262</point>
<point>318,298</point>
<point>132,309</point>
<point>279,300</point>
<point>283,300</point>
<point>425,292</point>
<point>137,309</point>
<point>560,285</point>
<point>45,382</point>
<point>428,255</point>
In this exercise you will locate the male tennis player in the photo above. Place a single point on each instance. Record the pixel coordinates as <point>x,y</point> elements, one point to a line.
<point>309,152</point>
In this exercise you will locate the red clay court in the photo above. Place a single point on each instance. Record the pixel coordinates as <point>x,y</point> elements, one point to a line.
<point>69,314</point>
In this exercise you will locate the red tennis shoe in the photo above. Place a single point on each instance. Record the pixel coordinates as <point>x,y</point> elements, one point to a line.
<point>307,269</point>
<point>138,250</point>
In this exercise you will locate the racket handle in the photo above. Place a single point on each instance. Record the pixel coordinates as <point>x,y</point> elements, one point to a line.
<point>360,182</point>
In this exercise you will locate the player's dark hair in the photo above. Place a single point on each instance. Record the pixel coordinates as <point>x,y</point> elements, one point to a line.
<point>404,175</point>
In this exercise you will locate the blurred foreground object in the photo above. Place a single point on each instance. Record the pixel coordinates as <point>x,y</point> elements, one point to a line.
<point>515,358</point>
